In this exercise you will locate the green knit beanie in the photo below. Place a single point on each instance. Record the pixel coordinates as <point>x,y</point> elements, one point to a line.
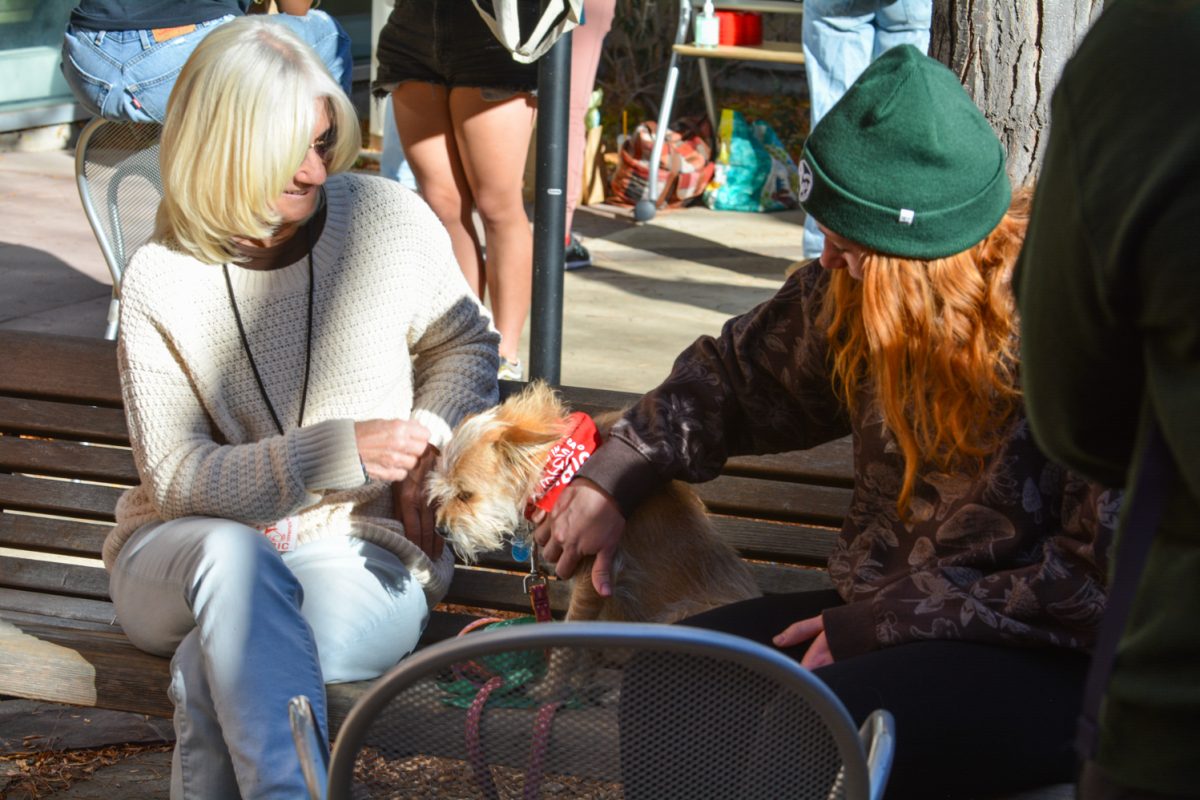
<point>905,163</point>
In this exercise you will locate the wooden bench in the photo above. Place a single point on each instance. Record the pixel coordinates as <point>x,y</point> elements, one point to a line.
<point>64,461</point>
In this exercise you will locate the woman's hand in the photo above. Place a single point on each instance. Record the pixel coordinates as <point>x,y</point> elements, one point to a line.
<point>390,448</point>
<point>818,654</point>
<point>585,521</point>
<point>413,509</point>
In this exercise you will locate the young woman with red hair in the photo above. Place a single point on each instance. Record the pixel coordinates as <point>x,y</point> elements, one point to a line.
<point>967,577</point>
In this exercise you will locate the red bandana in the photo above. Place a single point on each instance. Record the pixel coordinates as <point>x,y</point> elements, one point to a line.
<point>564,462</point>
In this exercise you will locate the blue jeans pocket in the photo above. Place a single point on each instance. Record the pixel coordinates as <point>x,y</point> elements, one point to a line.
<point>149,95</point>
<point>81,60</point>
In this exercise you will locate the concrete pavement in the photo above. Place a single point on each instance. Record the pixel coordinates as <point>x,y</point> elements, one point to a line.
<point>652,290</point>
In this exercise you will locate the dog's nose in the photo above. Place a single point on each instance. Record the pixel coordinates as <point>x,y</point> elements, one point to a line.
<point>442,531</point>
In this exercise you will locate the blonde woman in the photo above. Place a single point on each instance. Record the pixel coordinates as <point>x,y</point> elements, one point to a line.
<point>966,578</point>
<point>295,343</point>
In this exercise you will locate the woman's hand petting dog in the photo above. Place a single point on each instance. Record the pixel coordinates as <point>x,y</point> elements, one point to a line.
<point>584,521</point>
<point>818,654</point>
<point>413,508</point>
<point>389,448</point>
<point>398,451</point>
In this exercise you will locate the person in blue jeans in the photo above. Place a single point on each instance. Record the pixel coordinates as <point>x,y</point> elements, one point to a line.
<point>841,37</point>
<point>121,57</point>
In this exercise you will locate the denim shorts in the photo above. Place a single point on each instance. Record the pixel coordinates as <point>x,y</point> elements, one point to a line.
<point>446,42</point>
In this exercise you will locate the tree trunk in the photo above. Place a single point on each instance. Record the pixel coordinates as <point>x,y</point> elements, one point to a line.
<point>1009,55</point>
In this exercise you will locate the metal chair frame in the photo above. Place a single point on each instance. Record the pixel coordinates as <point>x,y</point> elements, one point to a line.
<point>646,208</point>
<point>116,250</point>
<point>866,753</point>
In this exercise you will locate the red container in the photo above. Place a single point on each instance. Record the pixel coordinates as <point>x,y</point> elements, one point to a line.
<point>750,29</point>
<point>740,28</point>
<point>730,22</point>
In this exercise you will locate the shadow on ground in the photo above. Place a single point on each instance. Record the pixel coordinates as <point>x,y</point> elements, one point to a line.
<point>52,295</point>
<point>679,246</point>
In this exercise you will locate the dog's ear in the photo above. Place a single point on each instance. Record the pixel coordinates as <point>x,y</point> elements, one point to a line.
<point>523,448</point>
<point>532,421</point>
<point>536,413</point>
<point>527,435</point>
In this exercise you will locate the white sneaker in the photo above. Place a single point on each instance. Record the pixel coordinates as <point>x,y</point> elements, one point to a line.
<point>510,370</point>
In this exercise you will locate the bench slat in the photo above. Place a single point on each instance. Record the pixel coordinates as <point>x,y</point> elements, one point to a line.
<point>62,420</point>
<point>70,580</point>
<point>71,612</point>
<point>52,535</point>
<point>81,667</point>
<point>750,497</point>
<point>782,579</point>
<point>764,540</point>
<point>470,585</point>
<point>831,464</point>
<point>72,368</point>
<point>776,541</point>
<point>500,590</point>
<point>62,498</point>
<point>67,459</point>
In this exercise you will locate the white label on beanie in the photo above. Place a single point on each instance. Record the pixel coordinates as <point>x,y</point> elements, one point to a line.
<point>906,216</point>
<point>806,181</point>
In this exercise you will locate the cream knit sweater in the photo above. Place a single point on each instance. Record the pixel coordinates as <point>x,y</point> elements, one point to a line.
<point>397,333</point>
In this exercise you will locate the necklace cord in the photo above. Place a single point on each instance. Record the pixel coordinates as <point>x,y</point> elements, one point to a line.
<point>237,316</point>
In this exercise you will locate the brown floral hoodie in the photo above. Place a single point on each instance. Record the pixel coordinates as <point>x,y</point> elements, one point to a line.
<point>1011,555</point>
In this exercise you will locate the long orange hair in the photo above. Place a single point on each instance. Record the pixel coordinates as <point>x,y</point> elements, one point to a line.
<point>935,341</point>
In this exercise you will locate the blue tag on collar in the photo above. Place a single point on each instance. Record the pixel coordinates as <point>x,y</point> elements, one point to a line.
<point>521,550</point>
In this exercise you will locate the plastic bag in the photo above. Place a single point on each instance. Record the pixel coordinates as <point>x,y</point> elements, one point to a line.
<point>753,171</point>
<point>684,170</point>
<point>781,187</point>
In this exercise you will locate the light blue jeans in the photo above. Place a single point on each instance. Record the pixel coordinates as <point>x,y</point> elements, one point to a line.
<point>841,37</point>
<point>250,629</point>
<point>128,75</point>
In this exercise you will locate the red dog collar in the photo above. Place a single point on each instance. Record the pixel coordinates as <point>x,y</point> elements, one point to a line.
<point>566,457</point>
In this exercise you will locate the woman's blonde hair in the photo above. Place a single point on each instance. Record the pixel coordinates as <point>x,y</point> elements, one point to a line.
<point>936,343</point>
<point>239,124</point>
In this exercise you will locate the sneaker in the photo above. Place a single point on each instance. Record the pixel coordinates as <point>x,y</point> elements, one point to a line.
<point>576,255</point>
<point>510,370</point>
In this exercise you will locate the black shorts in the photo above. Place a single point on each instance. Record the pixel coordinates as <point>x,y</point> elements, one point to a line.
<point>446,42</point>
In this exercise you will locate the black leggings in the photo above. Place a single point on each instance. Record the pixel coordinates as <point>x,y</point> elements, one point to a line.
<point>972,720</point>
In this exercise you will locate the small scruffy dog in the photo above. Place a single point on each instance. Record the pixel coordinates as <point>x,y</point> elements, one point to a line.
<point>671,563</point>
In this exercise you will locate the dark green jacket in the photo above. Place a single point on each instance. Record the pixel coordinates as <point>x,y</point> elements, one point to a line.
<point>1109,292</point>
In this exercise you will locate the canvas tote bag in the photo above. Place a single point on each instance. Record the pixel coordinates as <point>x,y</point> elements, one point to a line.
<point>558,17</point>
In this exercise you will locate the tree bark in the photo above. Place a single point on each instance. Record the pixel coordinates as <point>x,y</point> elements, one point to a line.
<point>1009,55</point>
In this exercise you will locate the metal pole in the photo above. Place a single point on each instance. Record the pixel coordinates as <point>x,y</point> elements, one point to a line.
<point>549,213</point>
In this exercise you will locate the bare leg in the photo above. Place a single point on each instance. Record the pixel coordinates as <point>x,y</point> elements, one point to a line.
<point>427,135</point>
<point>586,43</point>
<point>492,140</point>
